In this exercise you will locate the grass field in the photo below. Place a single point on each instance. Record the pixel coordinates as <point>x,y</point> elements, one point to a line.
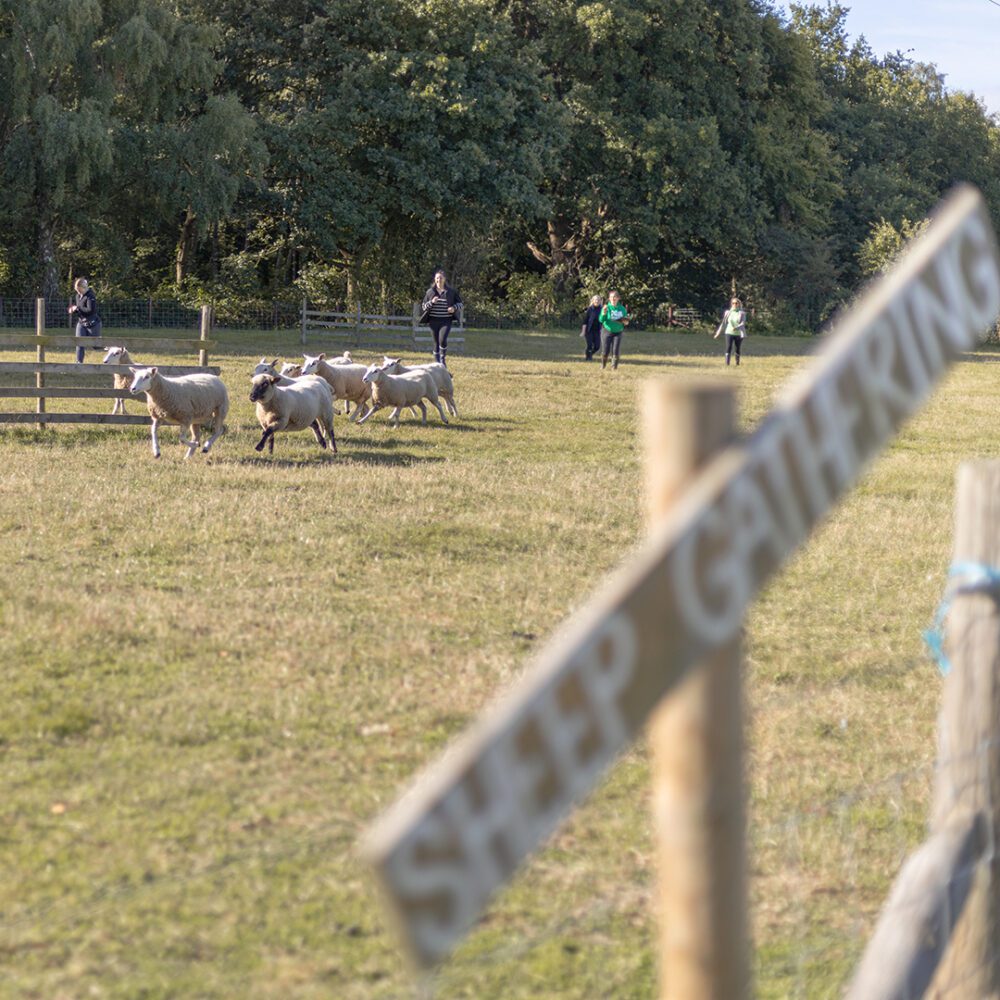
<point>213,674</point>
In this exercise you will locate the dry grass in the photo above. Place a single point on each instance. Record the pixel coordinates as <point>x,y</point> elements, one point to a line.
<point>214,673</point>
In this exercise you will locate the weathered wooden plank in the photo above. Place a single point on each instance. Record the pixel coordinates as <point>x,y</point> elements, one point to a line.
<point>65,392</point>
<point>464,828</point>
<point>73,418</point>
<point>135,345</point>
<point>70,368</point>
<point>916,924</point>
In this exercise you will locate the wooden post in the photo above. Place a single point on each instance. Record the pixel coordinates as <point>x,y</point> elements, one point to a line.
<point>40,357</point>
<point>206,327</point>
<point>696,741</point>
<point>968,776</point>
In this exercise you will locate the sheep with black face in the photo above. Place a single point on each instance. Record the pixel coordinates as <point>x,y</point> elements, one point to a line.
<point>299,405</point>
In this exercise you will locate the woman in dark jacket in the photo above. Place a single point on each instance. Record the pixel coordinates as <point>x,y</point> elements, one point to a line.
<point>591,330</point>
<point>88,320</point>
<point>440,307</point>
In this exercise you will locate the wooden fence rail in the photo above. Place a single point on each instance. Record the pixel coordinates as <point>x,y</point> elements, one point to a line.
<point>374,330</point>
<point>140,347</point>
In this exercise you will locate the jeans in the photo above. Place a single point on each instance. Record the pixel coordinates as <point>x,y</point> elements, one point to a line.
<point>82,330</point>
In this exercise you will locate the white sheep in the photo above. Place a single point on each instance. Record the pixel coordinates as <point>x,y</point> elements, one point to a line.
<point>398,391</point>
<point>189,400</point>
<point>345,378</point>
<point>118,356</point>
<point>288,374</point>
<point>441,375</point>
<point>303,403</point>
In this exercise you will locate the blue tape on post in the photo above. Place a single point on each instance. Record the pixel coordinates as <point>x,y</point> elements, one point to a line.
<point>966,578</point>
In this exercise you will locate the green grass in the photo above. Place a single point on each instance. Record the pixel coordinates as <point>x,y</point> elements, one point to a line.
<point>214,674</point>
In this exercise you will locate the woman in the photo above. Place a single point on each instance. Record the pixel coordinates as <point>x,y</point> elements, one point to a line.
<point>440,307</point>
<point>88,320</point>
<point>734,322</point>
<point>614,319</point>
<point>591,329</point>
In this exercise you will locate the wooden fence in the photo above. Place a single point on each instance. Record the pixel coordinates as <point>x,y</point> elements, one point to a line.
<point>657,649</point>
<point>375,330</point>
<point>83,376</point>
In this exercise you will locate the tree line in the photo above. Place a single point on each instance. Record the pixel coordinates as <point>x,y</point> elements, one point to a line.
<point>539,150</point>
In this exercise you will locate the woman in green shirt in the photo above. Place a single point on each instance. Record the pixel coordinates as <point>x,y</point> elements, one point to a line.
<point>614,319</point>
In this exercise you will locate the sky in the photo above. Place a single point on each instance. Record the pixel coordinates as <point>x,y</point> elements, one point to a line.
<point>961,37</point>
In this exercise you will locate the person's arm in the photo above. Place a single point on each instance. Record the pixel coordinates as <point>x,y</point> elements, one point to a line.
<point>88,305</point>
<point>428,298</point>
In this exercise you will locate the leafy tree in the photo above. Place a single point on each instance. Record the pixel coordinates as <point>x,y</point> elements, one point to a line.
<point>99,98</point>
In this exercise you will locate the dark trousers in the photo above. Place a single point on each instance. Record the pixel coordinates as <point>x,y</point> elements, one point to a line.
<point>593,339</point>
<point>732,341</point>
<point>611,343</point>
<point>440,330</point>
<point>82,330</point>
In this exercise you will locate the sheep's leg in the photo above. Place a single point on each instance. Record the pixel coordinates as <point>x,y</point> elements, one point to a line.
<point>362,410</point>
<point>452,408</point>
<point>156,442</point>
<point>394,416</point>
<point>218,429</point>
<point>423,412</point>
<point>329,434</point>
<point>193,442</point>
<point>437,403</point>
<point>268,435</point>
<point>318,432</point>
<point>377,406</point>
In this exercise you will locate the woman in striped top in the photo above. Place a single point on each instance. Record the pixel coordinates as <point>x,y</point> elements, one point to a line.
<point>441,303</point>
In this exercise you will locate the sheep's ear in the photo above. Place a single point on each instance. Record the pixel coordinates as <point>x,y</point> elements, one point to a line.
<point>134,371</point>
<point>274,379</point>
<point>152,371</point>
<point>275,362</point>
<point>322,357</point>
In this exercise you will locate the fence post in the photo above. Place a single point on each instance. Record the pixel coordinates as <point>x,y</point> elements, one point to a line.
<point>968,776</point>
<point>696,742</point>
<point>206,326</point>
<point>40,357</point>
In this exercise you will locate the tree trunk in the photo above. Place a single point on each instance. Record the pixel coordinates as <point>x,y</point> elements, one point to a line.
<point>564,255</point>
<point>185,244</point>
<point>47,256</point>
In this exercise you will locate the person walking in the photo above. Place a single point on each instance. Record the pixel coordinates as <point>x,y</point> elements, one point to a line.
<point>591,329</point>
<point>734,323</point>
<point>440,309</point>
<point>614,319</point>
<point>88,319</point>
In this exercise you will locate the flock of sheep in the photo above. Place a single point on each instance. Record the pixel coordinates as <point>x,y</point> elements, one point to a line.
<point>296,398</point>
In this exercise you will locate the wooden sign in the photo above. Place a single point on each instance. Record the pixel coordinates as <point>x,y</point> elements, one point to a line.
<point>462,830</point>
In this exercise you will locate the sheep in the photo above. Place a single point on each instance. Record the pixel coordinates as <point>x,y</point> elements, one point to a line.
<point>346,379</point>
<point>305,402</point>
<point>288,374</point>
<point>398,391</point>
<point>445,385</point>
<point>188,400</point>
<point>118,356</point>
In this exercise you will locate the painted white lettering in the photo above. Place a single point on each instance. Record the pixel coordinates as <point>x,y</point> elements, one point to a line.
<point>757,532</point>
<point>887,401</point>
<point>605,678</point>
<point>722,580</point>
<point>444,883</point>
<point>983,284</point>
<point>771,459</point>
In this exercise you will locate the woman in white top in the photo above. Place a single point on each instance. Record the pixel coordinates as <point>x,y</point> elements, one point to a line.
<point>734,323</point>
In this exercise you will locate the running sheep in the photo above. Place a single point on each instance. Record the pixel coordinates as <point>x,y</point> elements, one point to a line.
<point>398,391</point>
<point>118,356</point>
<point>441,375</point>
<point>301,404</point>
<point>344,377</point>
<point>193,401</point>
